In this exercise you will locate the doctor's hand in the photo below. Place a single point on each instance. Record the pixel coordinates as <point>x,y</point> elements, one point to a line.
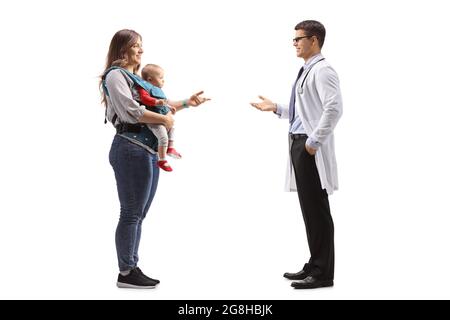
<point>264,105</point>
<point>310,150</point>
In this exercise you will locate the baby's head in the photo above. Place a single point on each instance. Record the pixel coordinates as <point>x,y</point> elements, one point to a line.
<point>153,74</point>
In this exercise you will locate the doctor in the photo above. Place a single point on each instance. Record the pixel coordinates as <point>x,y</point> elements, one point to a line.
<point>313,112</point>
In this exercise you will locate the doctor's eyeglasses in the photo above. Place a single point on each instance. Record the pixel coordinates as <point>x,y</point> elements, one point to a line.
<point>297,39</point>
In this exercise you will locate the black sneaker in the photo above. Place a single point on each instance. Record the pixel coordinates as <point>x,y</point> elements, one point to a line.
<point>136,280</point>
<point>140,271</point>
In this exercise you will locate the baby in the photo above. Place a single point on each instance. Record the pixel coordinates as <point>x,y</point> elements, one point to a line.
<point>156,101</point>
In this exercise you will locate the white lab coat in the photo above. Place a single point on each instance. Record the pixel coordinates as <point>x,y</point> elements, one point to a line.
<point>319,107</point>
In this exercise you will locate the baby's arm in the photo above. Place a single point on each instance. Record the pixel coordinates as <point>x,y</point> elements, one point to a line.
<point>148,100</point>
<point>172,109</point>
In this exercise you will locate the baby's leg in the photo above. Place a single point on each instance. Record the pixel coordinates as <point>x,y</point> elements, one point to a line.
<point>160,132</point>
<point>171,135</point>
<point>171,150</point>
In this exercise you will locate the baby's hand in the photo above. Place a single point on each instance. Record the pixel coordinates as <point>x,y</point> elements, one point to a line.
<point>160,102</point>
<point>173,109</point>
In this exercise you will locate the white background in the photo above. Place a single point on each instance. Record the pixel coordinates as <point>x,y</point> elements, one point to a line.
<point>220,226</point>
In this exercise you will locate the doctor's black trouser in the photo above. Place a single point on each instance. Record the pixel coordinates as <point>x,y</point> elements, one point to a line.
<point>315,210</point>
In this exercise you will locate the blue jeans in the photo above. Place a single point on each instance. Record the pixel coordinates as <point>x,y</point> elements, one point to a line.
<point>137,174</point>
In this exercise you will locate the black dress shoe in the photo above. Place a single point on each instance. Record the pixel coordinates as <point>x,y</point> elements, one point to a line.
<point>302,274</point>
<point>311,282</point>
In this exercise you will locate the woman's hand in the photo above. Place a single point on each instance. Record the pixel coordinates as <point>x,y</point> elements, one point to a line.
<point>196,99</point>
<point>168,121</point>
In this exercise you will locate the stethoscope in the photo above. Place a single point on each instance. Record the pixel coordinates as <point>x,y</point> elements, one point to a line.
<point>304,79</point>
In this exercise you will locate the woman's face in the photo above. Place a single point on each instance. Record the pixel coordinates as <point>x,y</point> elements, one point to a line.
<point>135,52</point>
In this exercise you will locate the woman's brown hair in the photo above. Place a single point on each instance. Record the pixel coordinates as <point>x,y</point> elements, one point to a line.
<point>119,47</point>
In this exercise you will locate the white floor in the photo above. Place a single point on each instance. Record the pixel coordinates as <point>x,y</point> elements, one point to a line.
<point>213,249</point>
<point>220,226</point>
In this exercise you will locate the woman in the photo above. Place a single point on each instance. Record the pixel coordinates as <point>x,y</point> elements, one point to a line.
<point>132,153</point>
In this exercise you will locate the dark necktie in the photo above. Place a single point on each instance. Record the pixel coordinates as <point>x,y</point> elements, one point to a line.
<point>292,101</point>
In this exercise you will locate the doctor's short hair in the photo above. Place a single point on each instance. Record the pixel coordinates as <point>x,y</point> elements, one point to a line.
<point>313,28</point>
